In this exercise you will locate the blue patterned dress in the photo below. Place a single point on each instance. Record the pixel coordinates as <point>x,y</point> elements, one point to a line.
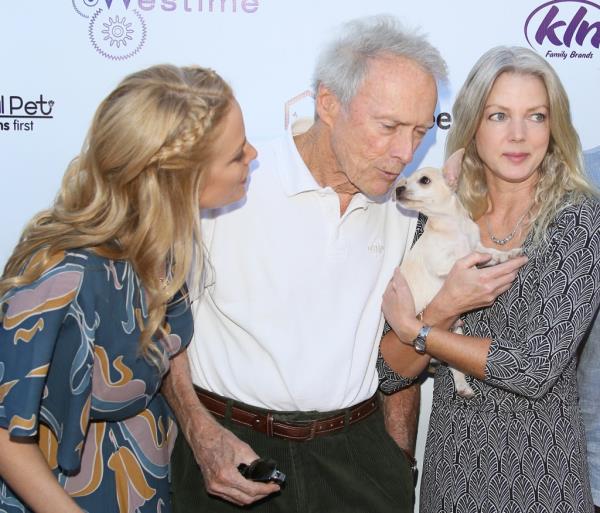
<point>518,446</point>
<point>71,375</point>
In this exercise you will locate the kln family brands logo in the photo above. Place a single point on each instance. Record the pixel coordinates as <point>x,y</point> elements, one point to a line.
<point>565,29</point>
<point>117,29</point>
<point>18,114</point>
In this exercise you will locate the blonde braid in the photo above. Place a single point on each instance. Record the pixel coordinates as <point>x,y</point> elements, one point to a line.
<point>133,192</point>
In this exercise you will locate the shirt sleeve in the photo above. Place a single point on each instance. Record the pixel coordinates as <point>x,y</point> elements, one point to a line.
<point>389,380</point>
<point>180,326</point>
<point>560,311</point>
<point>46,355</point>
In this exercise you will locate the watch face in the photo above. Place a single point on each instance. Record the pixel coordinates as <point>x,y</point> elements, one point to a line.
<point>419,344</point>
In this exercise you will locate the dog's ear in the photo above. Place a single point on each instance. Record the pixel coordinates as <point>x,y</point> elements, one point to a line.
<point>451,169</point>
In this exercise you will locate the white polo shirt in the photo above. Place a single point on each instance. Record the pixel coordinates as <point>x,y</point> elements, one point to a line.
<point>290,318</point>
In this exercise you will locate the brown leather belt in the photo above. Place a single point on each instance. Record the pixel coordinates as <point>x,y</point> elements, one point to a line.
<point>299,431</point>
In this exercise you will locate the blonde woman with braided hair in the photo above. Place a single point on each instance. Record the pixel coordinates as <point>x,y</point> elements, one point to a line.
<point>94,301</point>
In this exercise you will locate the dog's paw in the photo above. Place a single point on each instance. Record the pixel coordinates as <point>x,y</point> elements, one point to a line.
<point>514,253</point>
<point>466,392</point>
<point>460,384</point>
<point>499,256</point>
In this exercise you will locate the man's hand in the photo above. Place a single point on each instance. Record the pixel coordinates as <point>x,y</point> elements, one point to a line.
<point>398,308</point>
<point>469,287</point>
<point>217,450</point>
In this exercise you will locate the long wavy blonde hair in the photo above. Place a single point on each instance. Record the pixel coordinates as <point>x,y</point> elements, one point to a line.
<point>561,171</point>
<point>133,193</point>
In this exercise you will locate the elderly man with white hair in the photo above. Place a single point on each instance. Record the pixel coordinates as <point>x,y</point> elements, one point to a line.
<point>283,363</point>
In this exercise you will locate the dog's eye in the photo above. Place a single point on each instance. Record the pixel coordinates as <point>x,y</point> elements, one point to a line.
<point>424,180</point>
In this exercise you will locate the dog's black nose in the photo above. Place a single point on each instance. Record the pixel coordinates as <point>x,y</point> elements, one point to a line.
<point>399,191</point>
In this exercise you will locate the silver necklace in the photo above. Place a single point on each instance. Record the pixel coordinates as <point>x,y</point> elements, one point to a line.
<point>511,235</point>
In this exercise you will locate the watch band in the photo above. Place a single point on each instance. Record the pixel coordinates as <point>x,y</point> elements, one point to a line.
<point>420,341</point>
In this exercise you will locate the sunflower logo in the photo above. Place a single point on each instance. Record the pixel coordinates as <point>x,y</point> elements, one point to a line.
<point>117,36</point>
<point>118,31</point>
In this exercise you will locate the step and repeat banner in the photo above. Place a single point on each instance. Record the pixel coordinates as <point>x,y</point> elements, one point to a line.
<point>61,57</point>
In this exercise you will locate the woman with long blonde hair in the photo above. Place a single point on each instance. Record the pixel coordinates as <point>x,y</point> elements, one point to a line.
<point>518,443</point>
<point>94,301</point>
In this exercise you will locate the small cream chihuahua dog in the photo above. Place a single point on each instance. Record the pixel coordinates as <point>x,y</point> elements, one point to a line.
<point>449,235</point>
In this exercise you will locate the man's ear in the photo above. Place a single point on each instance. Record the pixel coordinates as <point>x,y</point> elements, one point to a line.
<point>327,105</point>
<point>452,167</point>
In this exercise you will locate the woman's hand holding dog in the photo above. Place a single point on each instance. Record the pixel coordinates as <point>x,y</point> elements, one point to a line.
<point>468,287</point>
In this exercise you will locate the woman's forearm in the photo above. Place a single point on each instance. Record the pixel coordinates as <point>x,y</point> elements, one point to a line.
<point>401,357</point>
<point>24,469</point>
<point>466,354</point>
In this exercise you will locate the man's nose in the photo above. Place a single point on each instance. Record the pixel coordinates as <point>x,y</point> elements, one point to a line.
<point>402,147</point>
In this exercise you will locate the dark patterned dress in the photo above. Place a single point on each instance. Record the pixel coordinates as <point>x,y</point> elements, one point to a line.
<point>519,444</point>
<point>72,376</point>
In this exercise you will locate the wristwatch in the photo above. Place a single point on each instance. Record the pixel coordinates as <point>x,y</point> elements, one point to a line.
<point>419,342</point>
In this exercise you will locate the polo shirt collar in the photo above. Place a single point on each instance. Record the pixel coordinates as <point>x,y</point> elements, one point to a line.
<point>297,178</point>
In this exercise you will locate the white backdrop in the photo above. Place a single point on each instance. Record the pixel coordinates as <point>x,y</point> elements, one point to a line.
<point>60,58</point>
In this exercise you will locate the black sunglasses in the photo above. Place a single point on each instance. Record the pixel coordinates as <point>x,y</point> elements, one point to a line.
<point>262,470</point>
